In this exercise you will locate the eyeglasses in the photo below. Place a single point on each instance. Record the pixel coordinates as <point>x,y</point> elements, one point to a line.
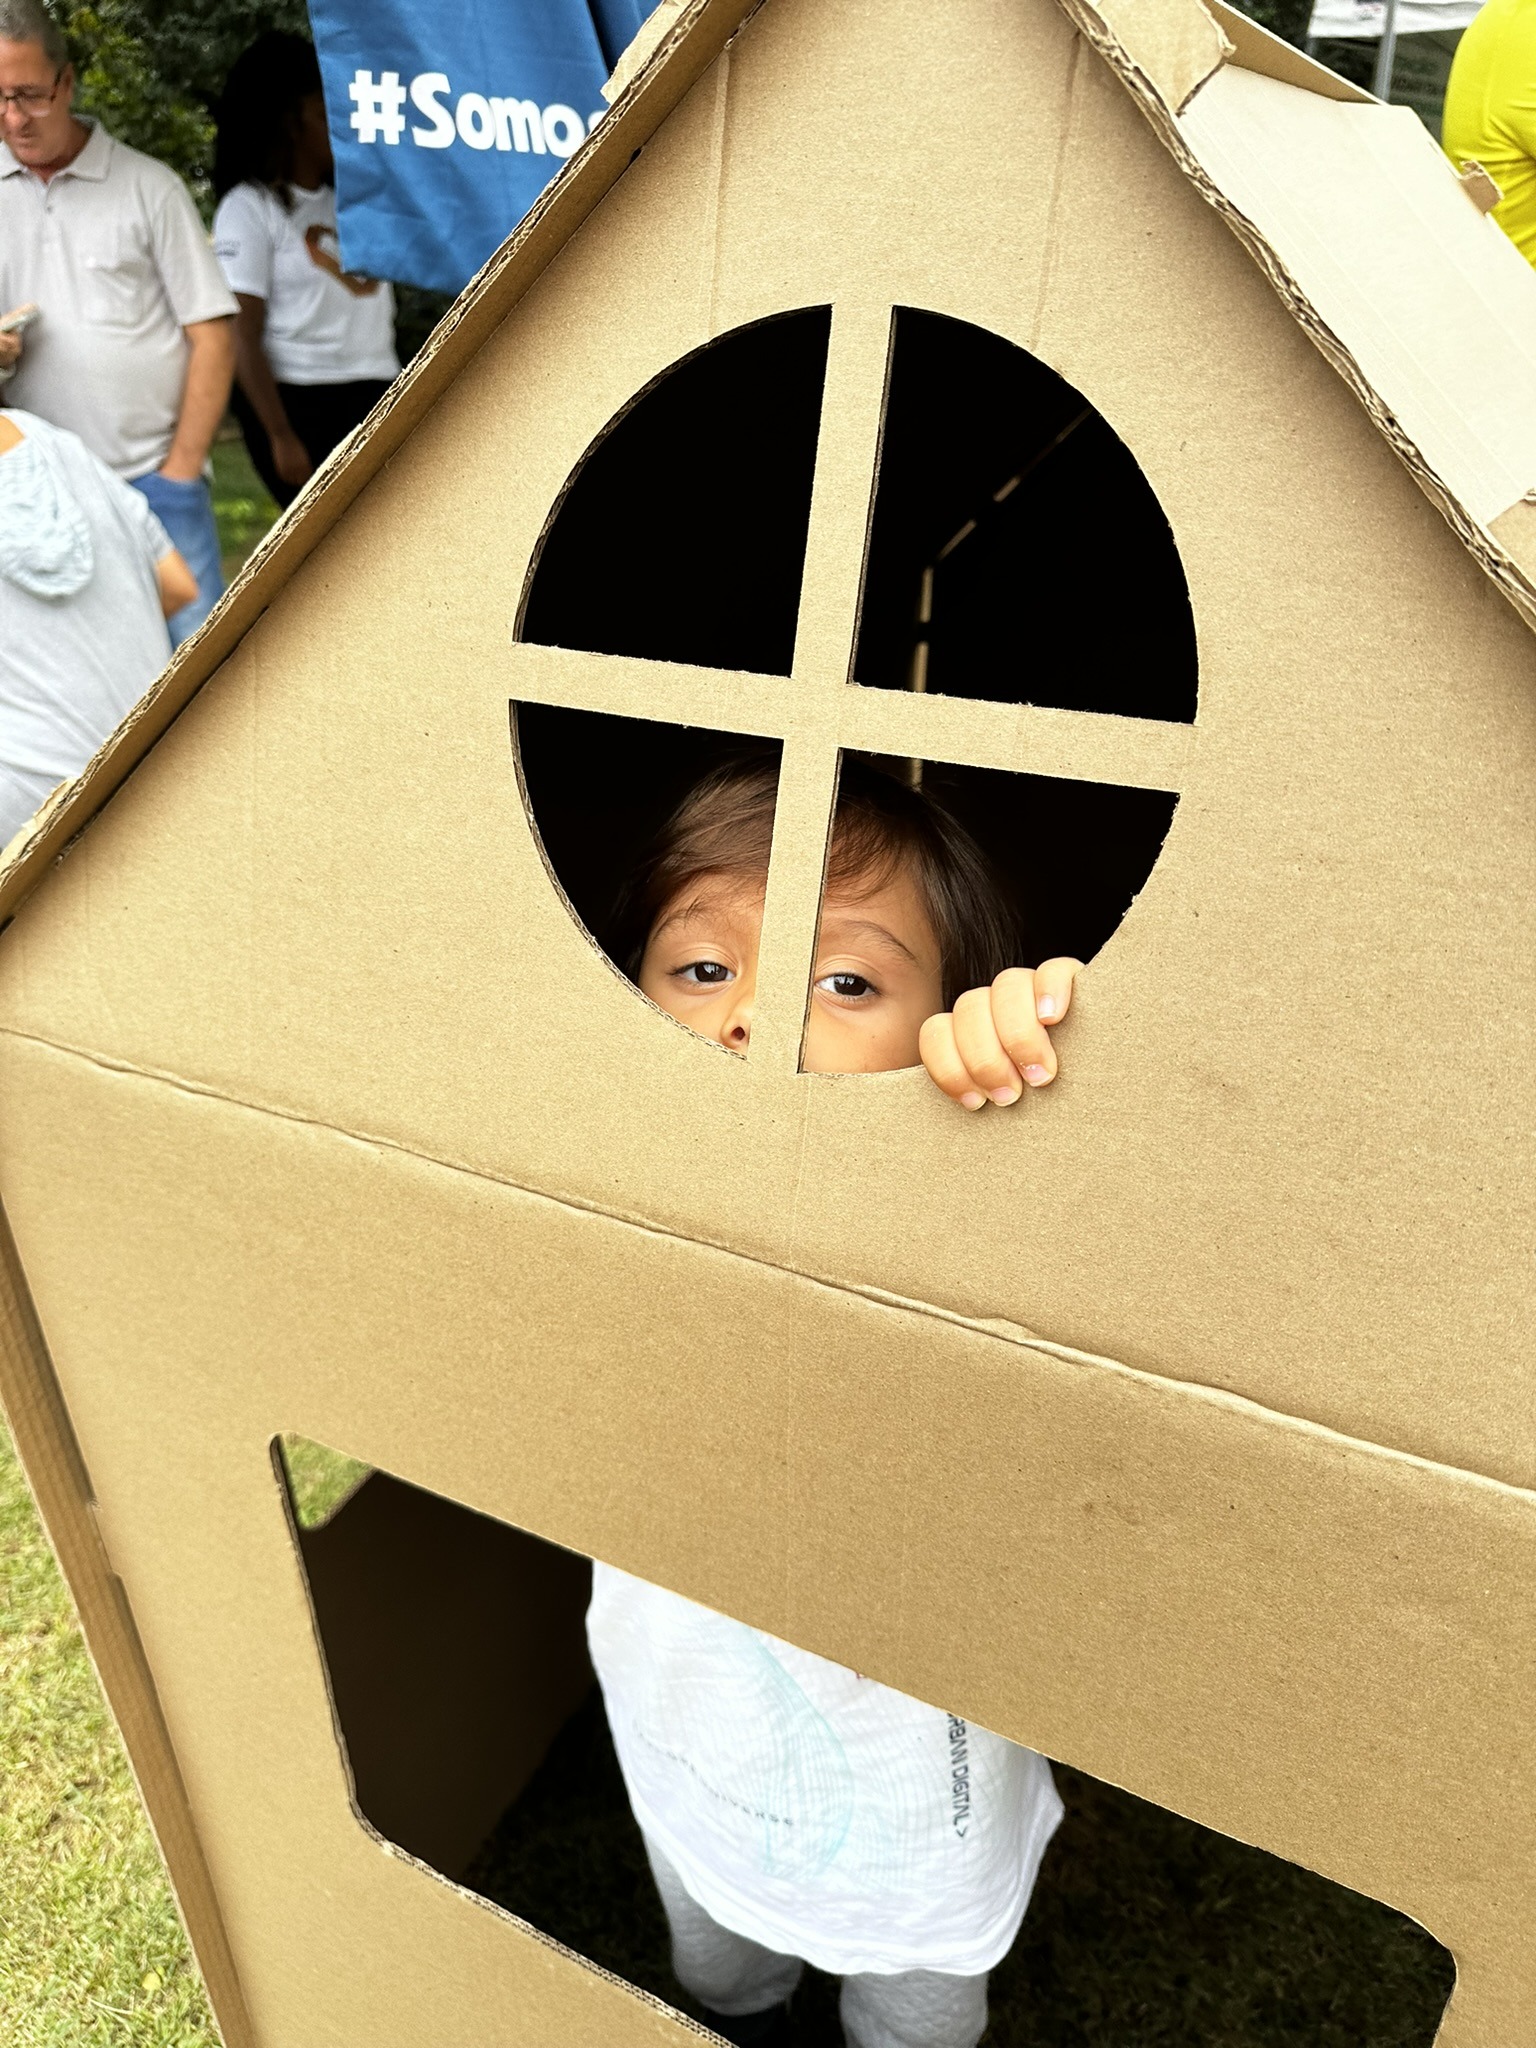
<point>31,99</point>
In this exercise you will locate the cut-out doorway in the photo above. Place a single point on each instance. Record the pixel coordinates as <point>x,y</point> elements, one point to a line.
<point>1017,551</point>
<point>475,1739</point>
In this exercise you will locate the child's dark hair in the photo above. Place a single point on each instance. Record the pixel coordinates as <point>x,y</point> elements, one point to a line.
<point>724,826</point>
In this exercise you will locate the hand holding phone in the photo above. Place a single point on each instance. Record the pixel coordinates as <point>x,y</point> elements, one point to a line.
<point>12,326</point>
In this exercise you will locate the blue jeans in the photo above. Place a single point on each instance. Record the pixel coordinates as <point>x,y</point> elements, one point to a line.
<point>185,510</point>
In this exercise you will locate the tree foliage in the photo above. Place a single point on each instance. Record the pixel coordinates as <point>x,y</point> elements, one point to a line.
<point>153,69</point>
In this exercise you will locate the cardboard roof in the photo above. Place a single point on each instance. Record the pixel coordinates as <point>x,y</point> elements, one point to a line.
<point>1419,301</point>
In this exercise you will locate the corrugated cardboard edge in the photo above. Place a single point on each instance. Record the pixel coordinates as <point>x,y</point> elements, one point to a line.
<point>701,31</point>
<point>1162,110</point>
<point>50,1457</point>
<point>1172,46</point>
<point>1256,49</point>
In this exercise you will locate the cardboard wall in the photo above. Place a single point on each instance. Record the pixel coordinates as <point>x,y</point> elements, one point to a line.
<point>339,916</point>
<point>1179,1593</point>
<point>381,1149</point>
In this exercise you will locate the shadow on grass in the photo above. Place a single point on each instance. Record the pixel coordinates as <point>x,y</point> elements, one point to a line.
<point>1146,1931</point>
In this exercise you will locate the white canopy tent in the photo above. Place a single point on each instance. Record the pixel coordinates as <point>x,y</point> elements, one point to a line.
<point>1383,21</point>
<point>1366,19</point>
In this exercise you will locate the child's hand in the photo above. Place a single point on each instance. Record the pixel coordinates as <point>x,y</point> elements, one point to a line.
<point>995,1042</point>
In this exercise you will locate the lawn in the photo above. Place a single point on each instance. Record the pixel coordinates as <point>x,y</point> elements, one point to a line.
<point>241,503</point>
<point>91,1952</point>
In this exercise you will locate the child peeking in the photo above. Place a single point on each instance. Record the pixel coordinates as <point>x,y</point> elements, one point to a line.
<point>792,1810</point>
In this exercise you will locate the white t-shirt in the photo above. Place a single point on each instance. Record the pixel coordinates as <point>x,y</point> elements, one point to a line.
<point>82,635</point>
<point>112,251</point>
<point>810,1809</point>
<point>324,325</point>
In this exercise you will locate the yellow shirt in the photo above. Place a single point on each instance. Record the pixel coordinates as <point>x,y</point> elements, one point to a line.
<point>1490,111</point>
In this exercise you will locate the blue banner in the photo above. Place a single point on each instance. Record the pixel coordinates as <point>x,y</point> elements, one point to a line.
<point>449,117</point>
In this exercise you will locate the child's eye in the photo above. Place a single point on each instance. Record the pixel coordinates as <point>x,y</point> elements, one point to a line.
<point>849,987</point>
<point>706,974</point>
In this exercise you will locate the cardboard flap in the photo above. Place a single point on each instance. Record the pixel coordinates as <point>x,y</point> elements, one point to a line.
<point>1254,48</point>
<point>1436,307</point>
<point>1515,531</point>
<point>1173,46</point>
<point>1479,187</point>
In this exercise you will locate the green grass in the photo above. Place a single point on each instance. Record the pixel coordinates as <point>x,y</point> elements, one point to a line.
<point>241,503</point>
<point>319,1480</point>
<point>92,1954</point>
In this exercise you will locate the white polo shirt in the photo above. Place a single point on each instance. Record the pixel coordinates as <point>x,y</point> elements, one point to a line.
<point>113,253</point>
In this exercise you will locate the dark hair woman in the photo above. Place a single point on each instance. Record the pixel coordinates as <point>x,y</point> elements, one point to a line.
<point>314,344</point>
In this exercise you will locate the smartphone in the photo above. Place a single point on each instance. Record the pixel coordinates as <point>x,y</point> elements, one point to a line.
<point>19,320</point>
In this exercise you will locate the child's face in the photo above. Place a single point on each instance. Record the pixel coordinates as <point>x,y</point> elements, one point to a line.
<point>877,970</point>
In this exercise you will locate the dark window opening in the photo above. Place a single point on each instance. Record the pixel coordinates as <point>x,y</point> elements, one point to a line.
<point>454,1649</point>
<point>1071,856</point>
<point>681,535</point>
<point>598,787</point>
<point>1017,552</point>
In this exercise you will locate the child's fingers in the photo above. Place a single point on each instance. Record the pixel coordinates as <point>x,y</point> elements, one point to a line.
<point>939,1054</point>
<point>1054,981</point>
<point>1012,1005</point>
<point>982,1050</point>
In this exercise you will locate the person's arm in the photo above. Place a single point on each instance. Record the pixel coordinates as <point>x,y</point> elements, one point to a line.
<point>204,398</point>
<point>177,584</point>
<point>290,458</point>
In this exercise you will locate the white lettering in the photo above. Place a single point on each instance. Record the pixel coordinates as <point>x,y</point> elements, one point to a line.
<point>477,124</point>
<point>563,130</point>
<point>377,106</point>
<point>519,125</point>
<point>428,88</point>
<point>476,119</point>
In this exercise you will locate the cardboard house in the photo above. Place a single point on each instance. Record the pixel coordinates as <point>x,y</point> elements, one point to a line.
<point>1178,1423</point>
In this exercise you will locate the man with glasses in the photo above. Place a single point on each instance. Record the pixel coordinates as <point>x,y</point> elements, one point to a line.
<point>132,346</point>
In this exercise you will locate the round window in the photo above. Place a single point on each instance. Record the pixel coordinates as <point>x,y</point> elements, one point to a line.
<point>909,540</point>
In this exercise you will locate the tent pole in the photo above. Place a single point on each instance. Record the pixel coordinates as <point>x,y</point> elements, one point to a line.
<point>1386,54</point>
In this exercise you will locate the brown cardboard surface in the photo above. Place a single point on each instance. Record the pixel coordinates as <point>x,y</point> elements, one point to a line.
<point>320,891</point>
<point>383,1151</point>
<point>1175,45</point>
<point>1181,1592</point>
<point>45,1440</point>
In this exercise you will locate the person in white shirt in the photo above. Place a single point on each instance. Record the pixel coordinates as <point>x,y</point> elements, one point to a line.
<point>133,346</point>
<point>794,1810</point>
<point>314,344</point>
<point>88,576</point>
